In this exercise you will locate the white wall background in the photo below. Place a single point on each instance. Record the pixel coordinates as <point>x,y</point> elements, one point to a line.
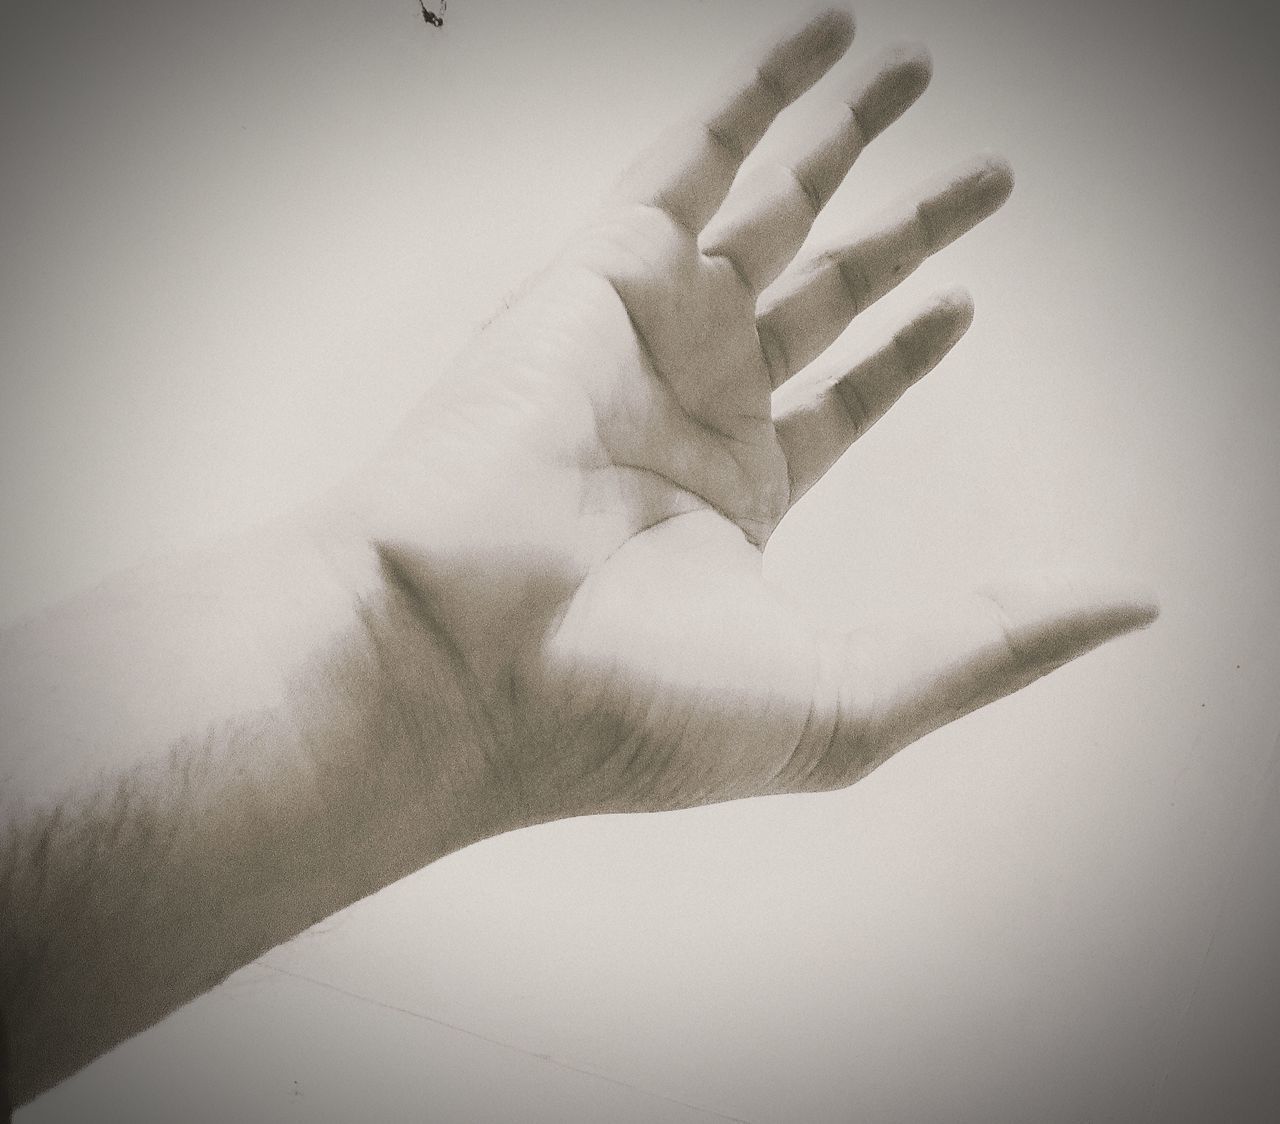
<point>237,241</point>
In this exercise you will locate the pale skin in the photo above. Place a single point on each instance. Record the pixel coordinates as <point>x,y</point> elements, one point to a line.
<point>545,599</point>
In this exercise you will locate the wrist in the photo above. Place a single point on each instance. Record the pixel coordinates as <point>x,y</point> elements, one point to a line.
<point>418,781</point>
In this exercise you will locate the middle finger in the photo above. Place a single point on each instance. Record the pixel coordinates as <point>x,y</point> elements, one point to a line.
<point>813,304</point>
<point>769,213</point>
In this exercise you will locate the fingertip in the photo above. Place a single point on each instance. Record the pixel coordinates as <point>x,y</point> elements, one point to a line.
<point>971,192</point>
<point>1136,604</point>
<point>890,86</point>
<point>944,319</point>
<point>1126,602</point>
<point>1148,610</point>
<point>935,330</point>
<point>1068,615</point>
<point>808,49</point>
<point>828,33</point>
<point>1131,614</point>
<point>982,185</point>
<point>913,62</point>
<point>838,24</point>
<point>956,302</point>
<point>995,178</point>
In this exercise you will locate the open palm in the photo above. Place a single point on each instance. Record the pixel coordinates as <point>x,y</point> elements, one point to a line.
<point>584,514</point>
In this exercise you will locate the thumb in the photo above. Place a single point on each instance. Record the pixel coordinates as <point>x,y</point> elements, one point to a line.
<point>899,684</point>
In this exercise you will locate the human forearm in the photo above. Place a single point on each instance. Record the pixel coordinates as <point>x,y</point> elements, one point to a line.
<point>199,761</point>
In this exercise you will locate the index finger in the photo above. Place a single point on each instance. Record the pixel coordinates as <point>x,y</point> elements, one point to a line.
<point>688,171</point>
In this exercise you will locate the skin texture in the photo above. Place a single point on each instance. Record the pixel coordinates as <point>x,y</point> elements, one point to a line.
<point>545,599</point>
<point>613,460</point>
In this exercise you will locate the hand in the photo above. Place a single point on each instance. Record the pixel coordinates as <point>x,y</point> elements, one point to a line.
<point>567,613</point>
<point>579,522</point>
